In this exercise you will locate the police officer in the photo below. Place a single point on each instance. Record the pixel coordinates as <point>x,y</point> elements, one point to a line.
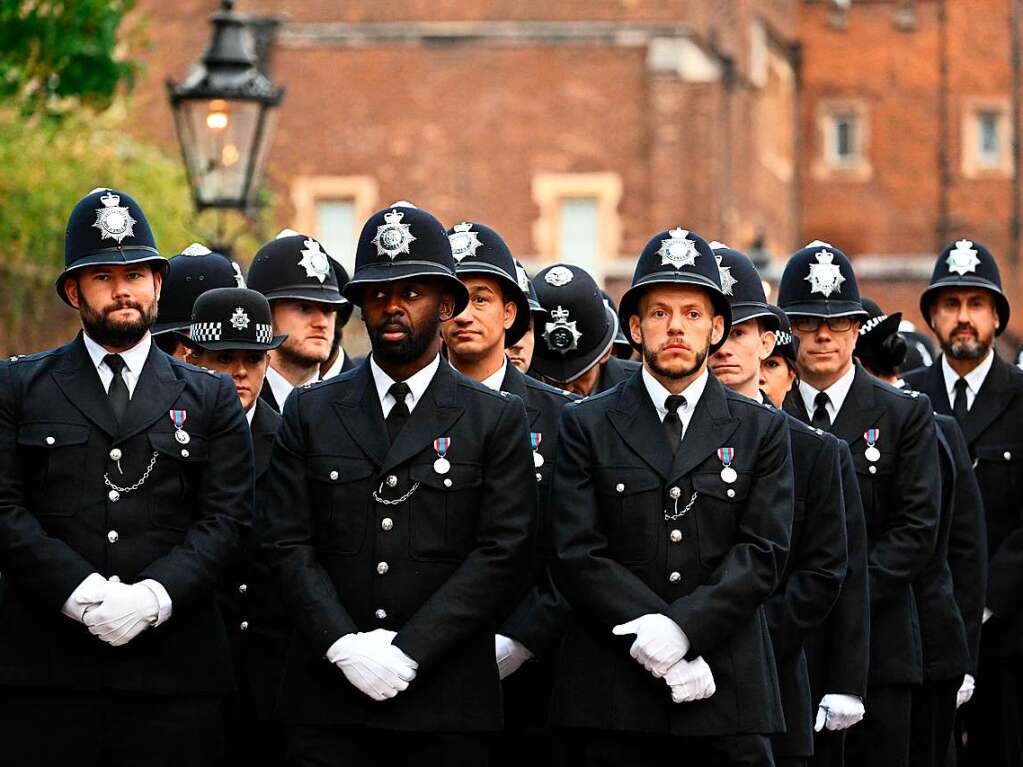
<point>339,362</point>
<point>497,315</point>
<point>966,309</point>
<point>621,347</point>
<point>572,345</point>
<point>946,652</point>
<point>398,526</point>
<point>520,353</point>
<point>778,370</point>
<point>816,565</point>
<point>675,504</point>
<point>127,476</point>
<point>891,436</point>
<point>232,332</point>
<point>297,277</point>
<point>190,273</point>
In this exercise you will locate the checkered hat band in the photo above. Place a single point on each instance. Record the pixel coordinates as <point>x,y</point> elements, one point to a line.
<point>205,331</point>
<point>264,333</point>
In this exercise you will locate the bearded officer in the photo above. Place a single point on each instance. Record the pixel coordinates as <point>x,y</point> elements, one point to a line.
<point>520,353</point>
<point>231,332</point>
<point>675,504</point>
<point>398,526</point>
<point>498,314</point>
<point>891,436</point>
<point>966,309</point>
<point>296,275</point>
<point>127,478</point>
<point>816,565</point>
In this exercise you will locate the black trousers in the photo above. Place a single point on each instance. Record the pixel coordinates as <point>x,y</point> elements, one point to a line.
<point>56,728</point>
<point>882,738</point>
<point>343,746</point>
<point>251,740</point>
<point>526,738</point>
<point>828,747</point>
<point>992,722</point>
<point>931,722</point>
<point>600,748</point>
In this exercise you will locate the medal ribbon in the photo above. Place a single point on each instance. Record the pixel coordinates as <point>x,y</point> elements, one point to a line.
<point>871,436</point>
<point>441,445</point>
<point>178,418</point>
<point>726,454</point>
<point>534,439</point>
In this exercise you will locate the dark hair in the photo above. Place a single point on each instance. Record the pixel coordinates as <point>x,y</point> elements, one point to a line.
<point>884,358</point>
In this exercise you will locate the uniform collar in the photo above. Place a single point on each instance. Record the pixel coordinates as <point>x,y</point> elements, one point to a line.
<point>837,392</point>
<point>658,394</point>
<point>495,379</point>
<point>417,382</point>
<point>280,386</point>
<point>251,412</point>
<point>974,379</point>
<point>134,358</point>
<point>335,368</point>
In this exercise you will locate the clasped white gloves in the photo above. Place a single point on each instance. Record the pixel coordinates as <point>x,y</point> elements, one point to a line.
<point>89,593</point>
<point>511,654</point>
<point>660,643</point>
<point>690,681</point>
<point>372,664</point>
<point>838,712</point>
<point>965,690</point>
<point>124,613</point>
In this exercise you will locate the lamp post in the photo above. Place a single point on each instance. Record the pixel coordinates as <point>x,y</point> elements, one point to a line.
<point>224,112</point>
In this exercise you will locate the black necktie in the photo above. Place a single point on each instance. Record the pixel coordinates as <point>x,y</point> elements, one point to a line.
<point>959,406</point>
<point>821,419</point>
<point>399,413</point>
<point>118,391</point>
<point>673,422</point>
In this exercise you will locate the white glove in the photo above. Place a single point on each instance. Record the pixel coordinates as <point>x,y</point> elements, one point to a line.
<point>690,680</point>
<point>511,654</point>
<point>124,613</point>
<point>965,690</point>
<point>89,593</point>
<point>986,616</point>
<point>660,643</point>
<point>838,712</point>
<point>372,664</point>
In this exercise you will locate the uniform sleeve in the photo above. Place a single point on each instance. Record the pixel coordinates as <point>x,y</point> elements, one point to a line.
<point>539,618</point>
<point>753,567</point>
<point>38,563</point>
<point>589,577</point>
<point>497,566</point>
<point>817,567</point>
<point>287,529</point>
<point>193,568</point>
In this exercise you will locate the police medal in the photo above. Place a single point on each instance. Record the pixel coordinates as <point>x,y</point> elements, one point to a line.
<point>534,440</point>
<point>872,454</point>
<point>442,465</point>
<point>178,419</point>
<point>726,454</point>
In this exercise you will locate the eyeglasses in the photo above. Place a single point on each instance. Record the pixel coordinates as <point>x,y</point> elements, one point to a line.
<point>813,324</point>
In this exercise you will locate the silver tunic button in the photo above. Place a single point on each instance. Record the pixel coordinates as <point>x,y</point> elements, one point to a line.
<point>184,454</point>
<point>114,579</point>
<point>731,492</point>
<point>50,440</point>
<point>115,454</point>
<point>872,469</point>
<point>1007,455</point>
<point>112,536</point>
<point>380,614</point>
<point>244,625</point>
<point>242,588</point>
<point>387,524</point>
<point>447,482</point>
<point>334,475</point>
<point>114,496</point>
<point>674,492</point>
<point>382,568</point>
<point>676,536</point>
<point>392,481</point>
<point>538,477</point>
<point>675,577</point>
<point>620,488</point>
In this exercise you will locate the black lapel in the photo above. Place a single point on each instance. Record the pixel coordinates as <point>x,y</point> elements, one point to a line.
<point>155,393</point>
<point>793,405</point>
<point>267,395</point>
<point>515,383</point>
<point>934,380</point>
<point>860,410</point>
<point>346,363</point>
<point>264,426</point>
<point>360,414</point>
<point>635,419</point>
<point>78,378</point>
<point>711,427</point>
<point>994,397</point>
<point>433,417</point>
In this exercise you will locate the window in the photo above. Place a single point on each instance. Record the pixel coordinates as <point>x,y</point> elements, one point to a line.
<point>986,144</point>
<point>336,229</point>
<point>579,232</point>
<point>844,148</point>
<point>333,209</point>
<point>844,140</point>
<point>989,142</point>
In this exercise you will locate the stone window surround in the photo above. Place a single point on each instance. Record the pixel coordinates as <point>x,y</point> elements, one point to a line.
<point>826,165</point>
<point>970,161</point>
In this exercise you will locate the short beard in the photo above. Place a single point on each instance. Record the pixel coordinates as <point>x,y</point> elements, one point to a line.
<point>106,332</point>
<point>963,351</point>
<point>296,357</point>
<point>650,356</point>
<point>412,347</point>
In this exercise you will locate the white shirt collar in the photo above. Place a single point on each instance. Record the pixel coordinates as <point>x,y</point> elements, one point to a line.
<point>134,358</point>
<point>280,386</point>
<point>837,393</point>
<point>658,394</point>
<point>251,412</point>
<point>759,397</point>
<point>974,379</point>
<point>495,379</point>
<point>417,384</point>
<point>335,369</point>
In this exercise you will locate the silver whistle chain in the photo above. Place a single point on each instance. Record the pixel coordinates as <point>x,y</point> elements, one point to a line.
<point>679,514</point>
<point>137,485</point>
<point>396,501</point>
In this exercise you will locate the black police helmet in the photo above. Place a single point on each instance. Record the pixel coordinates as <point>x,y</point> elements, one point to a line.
<point>786,344</point>
<point>578,329</point>
<point>478,249</point>
<point>404,243</point>
<point>819,281</point>
<point>295,266</point>
<point>191,273</point>
<point>966,264</point>
<point>107,228</point>
<point>741,284</point>
<point>621,342</point>
<point>526,285</point>
<point>879,345</point>
<point>229,319</point>
<point>677,257</point>
<point>920,350</point>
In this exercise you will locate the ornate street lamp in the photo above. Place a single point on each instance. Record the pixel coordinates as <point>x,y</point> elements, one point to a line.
<point>224,111</point>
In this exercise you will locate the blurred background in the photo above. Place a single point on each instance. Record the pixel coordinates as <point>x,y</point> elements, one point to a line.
<point>576,128</point>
